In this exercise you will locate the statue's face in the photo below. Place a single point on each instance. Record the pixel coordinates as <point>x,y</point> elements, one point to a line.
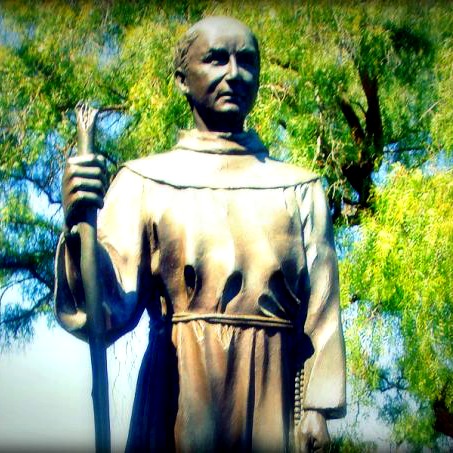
<point>222,75</point>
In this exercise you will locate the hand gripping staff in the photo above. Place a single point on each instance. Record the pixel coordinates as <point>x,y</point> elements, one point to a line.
<point>86,117</point>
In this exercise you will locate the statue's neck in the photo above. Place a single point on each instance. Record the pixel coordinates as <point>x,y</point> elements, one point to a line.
<point>218,122</point>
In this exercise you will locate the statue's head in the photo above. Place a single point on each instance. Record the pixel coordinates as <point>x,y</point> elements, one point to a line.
<point>217,68</point>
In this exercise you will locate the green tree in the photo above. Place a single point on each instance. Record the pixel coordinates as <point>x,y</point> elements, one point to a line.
<point>399,273</point>
<point>345,89</point>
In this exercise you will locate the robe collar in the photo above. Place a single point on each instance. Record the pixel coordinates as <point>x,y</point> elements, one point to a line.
<point>246,142</point>
<point>219,160</point>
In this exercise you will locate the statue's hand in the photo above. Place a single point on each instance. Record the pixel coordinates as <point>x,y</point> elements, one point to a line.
<point>84,185</point>
<point>311,433</point>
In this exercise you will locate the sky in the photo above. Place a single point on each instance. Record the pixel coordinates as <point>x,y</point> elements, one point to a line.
<point>45,391</point>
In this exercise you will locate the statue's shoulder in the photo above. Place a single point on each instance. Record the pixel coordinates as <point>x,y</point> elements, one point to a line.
<point>186,168</point>
<point>142,165</point>
<point>149,166</point>
<point>290,172</point>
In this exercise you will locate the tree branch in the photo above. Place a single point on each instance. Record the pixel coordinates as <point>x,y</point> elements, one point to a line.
<point>444,418</point>
<point>282,64</point>
<point>9,285</point>
<point>373,118</point>
<point>25,265</point>
<point>387,385</point>
<point>41,187</point>
<point>112,108</point>
<point>26,313</point>
<point>353,121</point>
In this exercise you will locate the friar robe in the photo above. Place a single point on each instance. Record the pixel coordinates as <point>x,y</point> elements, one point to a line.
<point>232,254</point>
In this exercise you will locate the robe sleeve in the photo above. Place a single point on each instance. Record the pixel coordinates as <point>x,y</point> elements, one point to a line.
<point>123,262</point>
<point>324,372</point>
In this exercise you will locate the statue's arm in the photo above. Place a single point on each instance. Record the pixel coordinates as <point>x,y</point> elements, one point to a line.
<point>122,251</point>
<point>324,372</point>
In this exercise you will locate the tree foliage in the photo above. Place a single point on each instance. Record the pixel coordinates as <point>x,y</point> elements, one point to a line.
<point>345,90</point>
<point>400,274</point>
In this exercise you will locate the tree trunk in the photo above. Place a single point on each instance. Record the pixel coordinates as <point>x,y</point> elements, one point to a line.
<point>444,418</point>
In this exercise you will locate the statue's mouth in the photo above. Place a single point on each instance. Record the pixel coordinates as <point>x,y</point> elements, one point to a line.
<point>230,96</point>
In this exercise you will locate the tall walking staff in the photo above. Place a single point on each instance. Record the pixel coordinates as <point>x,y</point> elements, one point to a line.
<point>86,117</point>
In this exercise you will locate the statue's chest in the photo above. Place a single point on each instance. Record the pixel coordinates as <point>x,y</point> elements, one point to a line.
<point>229,250</point>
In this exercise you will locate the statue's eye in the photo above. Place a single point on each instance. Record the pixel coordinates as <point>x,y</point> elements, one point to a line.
<point>246,58</point>
<point>217,57</point>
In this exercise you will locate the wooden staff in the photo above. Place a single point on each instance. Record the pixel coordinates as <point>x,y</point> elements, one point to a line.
<point>86,117</point>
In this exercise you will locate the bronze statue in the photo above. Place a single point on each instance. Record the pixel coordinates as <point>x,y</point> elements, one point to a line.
<point>232,255</point>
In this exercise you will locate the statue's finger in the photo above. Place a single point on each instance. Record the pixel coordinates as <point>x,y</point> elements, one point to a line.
<point>321,439</point>
<point>302,441</point>
<point>85,159</point>
<point>83,185</point>
<point>84,200</point>
<point>101,159</point>
<point>78,204</point>
<point>87,172</point>
<point>75,173</point>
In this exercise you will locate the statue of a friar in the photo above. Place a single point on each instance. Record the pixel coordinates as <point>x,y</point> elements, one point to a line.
<point>232,255</point>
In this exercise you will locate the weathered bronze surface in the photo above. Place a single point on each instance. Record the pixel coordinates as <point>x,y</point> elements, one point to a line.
<point>87,232</point>
<point>232,255</point>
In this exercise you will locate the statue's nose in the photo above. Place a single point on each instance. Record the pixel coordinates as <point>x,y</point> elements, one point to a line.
<point>232,68</point>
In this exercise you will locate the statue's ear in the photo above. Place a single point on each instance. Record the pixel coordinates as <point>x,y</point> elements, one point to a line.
<point>181,81</point>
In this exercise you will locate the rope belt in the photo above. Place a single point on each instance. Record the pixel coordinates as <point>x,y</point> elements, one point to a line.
<point>232,319</point>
